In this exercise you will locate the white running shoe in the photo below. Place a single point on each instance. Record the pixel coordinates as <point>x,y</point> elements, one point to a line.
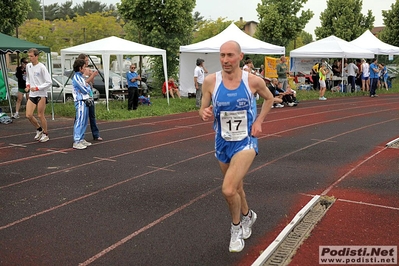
<point>247,222</point>
<point>279,105</point>
<point>236,242</point>
<point>44,138</point>
<point>86,143</point>
<point>322,98</point>
<point>79,146</point>
<point>15,116</point>
<point>38,134</point>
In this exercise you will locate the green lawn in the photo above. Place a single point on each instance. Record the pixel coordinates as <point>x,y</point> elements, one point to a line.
<point>118,108</point>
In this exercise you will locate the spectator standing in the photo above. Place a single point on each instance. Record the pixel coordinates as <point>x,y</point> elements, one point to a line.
<point>282,71</point>
<point>359,73</point>
<point>249,65</point>
<point>315,76</point>
<point>81,94</point>
<point>38,81</point>
<point>374,70</point>
<point>322,81</point>
<point>237,127</point>
<point>384,76</point>
<point>20,73</point>
<point>199,76</point>
<point>352,70</point>
<point>133,88</point>
<point>89,75</point>
<point>365,75</point>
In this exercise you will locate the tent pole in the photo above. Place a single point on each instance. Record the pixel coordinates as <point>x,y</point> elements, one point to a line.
<point>5,77</point>
<point>50,69</point>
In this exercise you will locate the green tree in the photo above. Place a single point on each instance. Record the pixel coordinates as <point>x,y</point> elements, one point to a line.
<point>90,7</point>
<point>390,34</point>
<point>280,22</point>
<point>60,33</point>
<point>303,39</point>
<point>198,21</point>
<point>13,14</point>
<point>36,10</point>
<point>210,28</point>
<point>163,24</point>
<point>66,10</point>
<point>52,12</point>
<point>344,19</point>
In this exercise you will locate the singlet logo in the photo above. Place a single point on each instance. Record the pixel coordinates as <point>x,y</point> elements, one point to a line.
<point>242,103</point>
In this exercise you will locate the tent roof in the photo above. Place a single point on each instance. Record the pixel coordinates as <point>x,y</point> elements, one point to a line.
<point>331,47</point>
<point>9,44</point>
<point>113,46</point>
<point>248,44</point>
<point>368,41</point>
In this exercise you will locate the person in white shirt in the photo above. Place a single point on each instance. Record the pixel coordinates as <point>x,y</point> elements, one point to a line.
<point>199,76</point>
<point>38,81</point>
<point>352,70</point>
<point>365,75</point>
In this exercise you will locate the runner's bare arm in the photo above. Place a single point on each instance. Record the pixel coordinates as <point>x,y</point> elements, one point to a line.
<point>257,85</point>
<point>206,111</point>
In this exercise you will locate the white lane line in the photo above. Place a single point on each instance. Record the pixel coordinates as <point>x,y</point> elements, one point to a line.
<point>145,228</point>
<point>370,204</point>
<point>17,145</point>
<point>351,171</point>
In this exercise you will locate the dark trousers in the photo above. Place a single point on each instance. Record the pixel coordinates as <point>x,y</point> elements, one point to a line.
<point>351,80</point>
<point>315,79</point>
<point>373,85</point>
<point>93,124</point>
<point>133,98</point>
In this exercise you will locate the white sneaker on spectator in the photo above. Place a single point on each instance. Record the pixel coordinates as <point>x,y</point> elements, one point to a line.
<point>291,104</point>
<point>86,143</point>
<point>279,105</point>
<point>15,116</point>
<point>79,146</point>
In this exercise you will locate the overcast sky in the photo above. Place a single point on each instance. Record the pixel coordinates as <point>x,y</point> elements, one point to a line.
<point>234,9</point>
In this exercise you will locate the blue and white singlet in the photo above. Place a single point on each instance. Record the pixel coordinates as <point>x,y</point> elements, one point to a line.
<point>235,112</point>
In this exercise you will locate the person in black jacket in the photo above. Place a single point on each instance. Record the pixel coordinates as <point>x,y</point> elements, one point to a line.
<point>20,73</point>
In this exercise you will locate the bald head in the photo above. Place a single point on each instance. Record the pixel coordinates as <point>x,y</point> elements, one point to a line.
<point>230,56</point>
<point>231,45</point>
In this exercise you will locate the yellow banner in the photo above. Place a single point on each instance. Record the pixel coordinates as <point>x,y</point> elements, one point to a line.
<point>270,67</point>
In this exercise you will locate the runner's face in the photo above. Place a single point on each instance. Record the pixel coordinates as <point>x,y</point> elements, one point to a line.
<point>230,57</point>
<point>33,58</point>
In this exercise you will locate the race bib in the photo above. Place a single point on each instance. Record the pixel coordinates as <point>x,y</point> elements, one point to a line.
<point>234,125</point>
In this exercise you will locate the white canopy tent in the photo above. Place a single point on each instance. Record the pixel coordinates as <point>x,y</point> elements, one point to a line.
<point>331,47</point>
<point>209,51</point>
<point>368,41</point>
<point>113,46</point>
